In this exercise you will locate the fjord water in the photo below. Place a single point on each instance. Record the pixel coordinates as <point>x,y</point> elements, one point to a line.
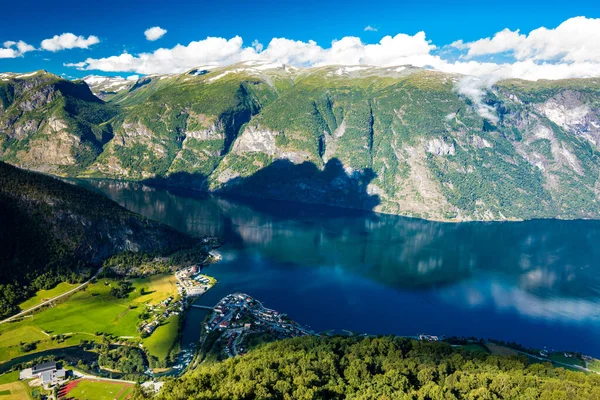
<point>536,282</point>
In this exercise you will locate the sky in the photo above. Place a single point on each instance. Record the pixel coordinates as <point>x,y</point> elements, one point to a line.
<point>489,40</point>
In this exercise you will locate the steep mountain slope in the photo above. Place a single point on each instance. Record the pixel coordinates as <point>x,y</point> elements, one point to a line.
<point>400,140</point>
<point>52,231</point>
<point>51,124</point>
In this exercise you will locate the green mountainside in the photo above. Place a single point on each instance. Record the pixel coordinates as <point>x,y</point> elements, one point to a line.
<point>398,140</point>
<point>52,231</point>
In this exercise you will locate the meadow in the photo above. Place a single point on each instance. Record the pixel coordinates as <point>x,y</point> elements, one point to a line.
<point>43,295</point>
<point>88,313</point>
<point>12,389</point>
<point>159,344</point>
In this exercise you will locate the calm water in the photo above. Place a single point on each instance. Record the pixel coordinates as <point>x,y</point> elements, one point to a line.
<point>536,283</point>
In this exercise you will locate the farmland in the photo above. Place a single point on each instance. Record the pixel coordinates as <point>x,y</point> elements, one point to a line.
<point>43,295</point>
<point>12,389</point>
<point>85,315</point>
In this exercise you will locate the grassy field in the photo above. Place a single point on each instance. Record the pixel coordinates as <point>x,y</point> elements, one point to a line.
<point>9,377</point>
<point>161,341</point>
<point>560,357</point>
<point>477,348</point>
<point>500,350</point>
<point>84,314</point>
<point>594,365</point>
<point>44,295</point>
<point>100,390</point>
<point>14,391</point>
<point>11,388</point>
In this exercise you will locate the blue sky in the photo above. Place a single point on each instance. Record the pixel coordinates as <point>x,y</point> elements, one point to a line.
<point>119,25</point>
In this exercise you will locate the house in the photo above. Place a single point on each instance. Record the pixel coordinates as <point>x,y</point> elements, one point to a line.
<point>49,372</point>
<point>53,376</point>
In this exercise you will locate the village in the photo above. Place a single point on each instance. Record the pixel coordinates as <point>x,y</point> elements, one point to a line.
<point>238,314</point>
<point>190,284</point>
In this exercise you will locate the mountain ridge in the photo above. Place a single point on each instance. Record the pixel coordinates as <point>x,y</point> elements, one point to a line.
<point>431,148</point>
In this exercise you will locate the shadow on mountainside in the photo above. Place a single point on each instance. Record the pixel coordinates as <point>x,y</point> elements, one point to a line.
<point>284,180</point>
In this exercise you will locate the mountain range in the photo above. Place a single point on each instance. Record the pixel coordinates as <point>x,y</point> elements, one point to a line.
<point>399,140</point>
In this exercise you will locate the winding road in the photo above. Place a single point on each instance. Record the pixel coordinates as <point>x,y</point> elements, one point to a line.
<point>25,312</point>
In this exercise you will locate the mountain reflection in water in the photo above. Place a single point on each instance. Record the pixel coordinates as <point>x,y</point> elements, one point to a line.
<point>535,282</point>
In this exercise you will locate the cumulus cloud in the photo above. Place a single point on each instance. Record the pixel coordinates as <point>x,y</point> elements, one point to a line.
<point>133,77</point>
<point>154,33</point>
<point>567,51</point>
<point>369,28</point>
<point>396,50</point>
<point>68,41</point>
<point>575,40</point>
<point>14,49</point>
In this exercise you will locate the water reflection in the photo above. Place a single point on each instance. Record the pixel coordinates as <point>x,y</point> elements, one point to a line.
<point>537,273</point>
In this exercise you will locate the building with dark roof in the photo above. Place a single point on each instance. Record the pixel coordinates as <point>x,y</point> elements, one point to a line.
<point>49,372</point>
<point>43,367</point>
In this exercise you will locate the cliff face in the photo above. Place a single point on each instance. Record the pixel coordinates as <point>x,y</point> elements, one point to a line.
<point>397,140</point>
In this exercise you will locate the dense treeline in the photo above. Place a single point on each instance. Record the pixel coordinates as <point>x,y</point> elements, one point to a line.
<point>382,368</point>
<point>52,231</point>
<point>125,359</point>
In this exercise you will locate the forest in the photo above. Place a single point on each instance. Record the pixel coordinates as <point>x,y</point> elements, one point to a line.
<point>376,368</point>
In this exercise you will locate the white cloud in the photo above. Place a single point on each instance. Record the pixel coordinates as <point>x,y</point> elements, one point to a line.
<point>575,40</point>
<point>154,33</point>
<point>369,28</point>
<point>68,41</point>
<point>258,46</point>
<point>14,49</point>
<point>567,51</point>
<point>133,77</point>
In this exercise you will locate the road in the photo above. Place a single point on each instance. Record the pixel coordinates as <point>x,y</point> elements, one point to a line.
<point>22,313</point>
<point>555,362</point>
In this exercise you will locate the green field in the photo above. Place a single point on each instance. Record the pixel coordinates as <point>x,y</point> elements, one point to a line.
<point>14,391</point>
<point>43,295</point>
<point>11,388</point>
<point>560,357</point>
<point>477,348</point>
<point>9,377</point>
<point>594,365</point>
<point>84,314</point>
<point>101,390</point>
<point>160,342</point>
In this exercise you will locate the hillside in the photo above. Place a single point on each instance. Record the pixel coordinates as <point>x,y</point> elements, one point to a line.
<point>52,231</point>
<point>376,368</point>
<point>400,140</point>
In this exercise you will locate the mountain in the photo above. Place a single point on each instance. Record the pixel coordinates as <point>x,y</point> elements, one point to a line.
<point>52,124</point>
<point>106,87</point>
<point>51,231</point>
<point>398,140</point>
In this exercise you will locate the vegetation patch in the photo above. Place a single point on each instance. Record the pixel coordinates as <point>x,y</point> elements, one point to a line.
<point>46,294</point>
